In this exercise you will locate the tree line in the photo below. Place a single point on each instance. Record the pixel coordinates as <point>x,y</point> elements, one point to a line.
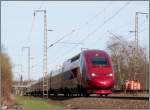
<point>130,62</point>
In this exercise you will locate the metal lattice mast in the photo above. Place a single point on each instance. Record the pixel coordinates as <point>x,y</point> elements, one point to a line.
<point>45,79</point>
<point>137,40</point>
<point>136,46</point>
<point>45,74</point>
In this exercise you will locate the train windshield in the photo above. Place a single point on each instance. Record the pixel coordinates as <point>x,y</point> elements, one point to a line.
<point>99,61</point>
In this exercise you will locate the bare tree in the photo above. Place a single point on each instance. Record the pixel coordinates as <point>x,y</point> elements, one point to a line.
<point>6,76</point>
<point>131,64</point>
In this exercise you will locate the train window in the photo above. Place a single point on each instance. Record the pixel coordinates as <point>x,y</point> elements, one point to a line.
<point>101,61</point>
<point>75,58</point>
<point>75,71</point>
<point>67,75</point>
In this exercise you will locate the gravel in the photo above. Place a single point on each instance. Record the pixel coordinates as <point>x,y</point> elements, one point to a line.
<point>103,103</point>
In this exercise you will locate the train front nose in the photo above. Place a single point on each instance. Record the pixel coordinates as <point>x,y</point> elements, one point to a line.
<point>102,83</point>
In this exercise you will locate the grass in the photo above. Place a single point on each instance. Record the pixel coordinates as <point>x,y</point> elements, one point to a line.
<point>31,103</point>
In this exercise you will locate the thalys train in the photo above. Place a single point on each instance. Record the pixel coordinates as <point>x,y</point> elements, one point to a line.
<point>89,72</point>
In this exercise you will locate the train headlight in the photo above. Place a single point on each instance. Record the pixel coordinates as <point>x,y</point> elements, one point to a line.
<point>93,74</point>
<point>110,74</point>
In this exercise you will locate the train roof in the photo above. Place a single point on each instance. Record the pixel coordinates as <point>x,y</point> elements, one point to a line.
<point>82,52</point>
<point>90,50</point>
<point>93,50</point>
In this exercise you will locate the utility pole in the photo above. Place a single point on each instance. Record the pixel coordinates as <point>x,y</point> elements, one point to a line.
<point>136,26</point>
<point>28,61</point>
<point>137,39</point>
<point>45,74</point>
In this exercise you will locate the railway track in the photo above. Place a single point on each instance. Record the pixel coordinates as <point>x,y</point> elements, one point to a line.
<point>127,97</point>
<point>61,97</point>
<point>98,102</point>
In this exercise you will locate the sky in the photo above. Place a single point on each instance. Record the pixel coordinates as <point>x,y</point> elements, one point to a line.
<point>89,21</point>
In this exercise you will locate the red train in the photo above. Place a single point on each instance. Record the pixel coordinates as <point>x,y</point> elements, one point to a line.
<point>89,72</point>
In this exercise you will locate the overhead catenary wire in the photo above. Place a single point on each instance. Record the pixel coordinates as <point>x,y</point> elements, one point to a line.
<point>124,26</point>
<point>85,24</point>
<point>140,31</point>
<point>62,38</point>
<point>100,26</point>
<point>141,25</point>
<point>106,21</point>
<point>80,27</point>
<point>76,43</point>
<point>32,25</point>
<point>31,30</point>
<point>95,16</point>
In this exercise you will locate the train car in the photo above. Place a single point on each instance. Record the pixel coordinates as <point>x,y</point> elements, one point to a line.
<point>89,72</point>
